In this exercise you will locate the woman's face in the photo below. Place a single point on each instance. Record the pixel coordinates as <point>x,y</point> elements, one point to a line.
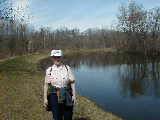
<point>57,60</point>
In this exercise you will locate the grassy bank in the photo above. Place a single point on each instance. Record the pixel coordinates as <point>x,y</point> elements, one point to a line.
<point>21,86</point>
<point>88,51</point>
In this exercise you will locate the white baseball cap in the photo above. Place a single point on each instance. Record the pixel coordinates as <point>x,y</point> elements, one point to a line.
<point>56,53</point>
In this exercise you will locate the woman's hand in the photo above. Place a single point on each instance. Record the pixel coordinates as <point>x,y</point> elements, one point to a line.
<point>74,99</point>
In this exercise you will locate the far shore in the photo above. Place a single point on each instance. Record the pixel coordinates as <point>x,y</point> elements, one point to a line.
<point>82,51</point>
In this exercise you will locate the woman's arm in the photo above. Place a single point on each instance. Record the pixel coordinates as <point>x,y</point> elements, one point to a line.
<point>72,83</point>
<point>45,92</point>
<point>73,92</point>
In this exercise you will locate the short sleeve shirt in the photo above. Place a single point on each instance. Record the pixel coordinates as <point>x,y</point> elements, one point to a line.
<point>59,76</point>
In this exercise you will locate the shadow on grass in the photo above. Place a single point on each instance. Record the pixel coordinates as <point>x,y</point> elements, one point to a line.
<point>82,118</point>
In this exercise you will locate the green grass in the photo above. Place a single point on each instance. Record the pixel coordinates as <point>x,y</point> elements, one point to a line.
<point>21,91</point>
<point>89,51</point>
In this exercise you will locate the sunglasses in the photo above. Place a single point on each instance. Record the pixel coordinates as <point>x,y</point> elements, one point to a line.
<point>56,57</point>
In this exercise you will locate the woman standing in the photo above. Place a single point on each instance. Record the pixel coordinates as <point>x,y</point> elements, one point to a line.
<point>60,83</point>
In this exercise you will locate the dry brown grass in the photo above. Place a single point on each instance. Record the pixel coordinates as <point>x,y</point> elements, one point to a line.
<point>90,111</point>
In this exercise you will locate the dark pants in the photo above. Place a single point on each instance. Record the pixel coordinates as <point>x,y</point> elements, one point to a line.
<point>60,111</point>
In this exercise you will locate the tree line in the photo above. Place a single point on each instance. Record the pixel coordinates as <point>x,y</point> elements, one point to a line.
<point>137,30</point>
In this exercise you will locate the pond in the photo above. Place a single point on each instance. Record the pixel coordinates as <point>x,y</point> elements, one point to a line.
<point>127,85</point>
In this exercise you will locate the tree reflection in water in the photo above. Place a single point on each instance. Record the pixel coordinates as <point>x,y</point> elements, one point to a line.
<point>140,78</point>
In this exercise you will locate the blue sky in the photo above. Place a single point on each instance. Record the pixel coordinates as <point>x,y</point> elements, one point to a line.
<point>80,14</point>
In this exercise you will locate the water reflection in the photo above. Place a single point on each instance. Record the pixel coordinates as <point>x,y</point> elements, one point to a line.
<point>140,79</point>
<point>138,75</point>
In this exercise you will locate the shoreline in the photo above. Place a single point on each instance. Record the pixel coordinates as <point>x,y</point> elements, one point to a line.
<point>92,111</point>
<point>87,51</point>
